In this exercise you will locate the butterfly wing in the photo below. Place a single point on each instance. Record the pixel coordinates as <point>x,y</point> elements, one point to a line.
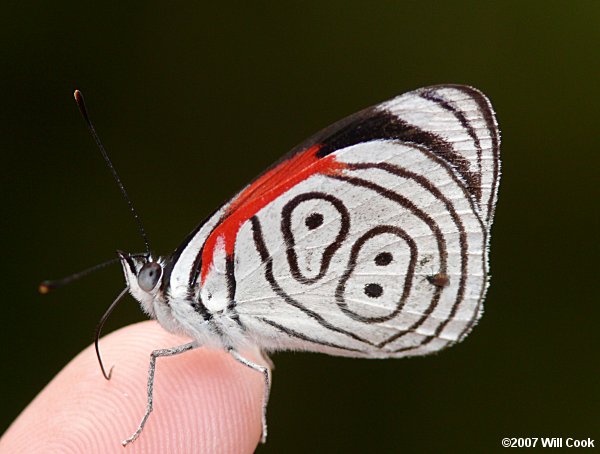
<point>387,254</point>
<point>368,239</point>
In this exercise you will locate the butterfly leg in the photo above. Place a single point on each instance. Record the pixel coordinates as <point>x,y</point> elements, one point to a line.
<point>155,354</point>
<point>267,377</point>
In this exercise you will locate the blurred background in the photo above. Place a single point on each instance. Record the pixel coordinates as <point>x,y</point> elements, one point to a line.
<point>192,101</point>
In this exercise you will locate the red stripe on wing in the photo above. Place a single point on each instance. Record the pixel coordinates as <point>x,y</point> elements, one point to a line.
<point>263,191</point>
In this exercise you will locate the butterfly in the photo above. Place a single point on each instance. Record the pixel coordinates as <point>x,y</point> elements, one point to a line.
<point>370,239</point>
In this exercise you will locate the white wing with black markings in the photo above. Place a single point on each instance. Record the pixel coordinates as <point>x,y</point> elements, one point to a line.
<point>386,255</point>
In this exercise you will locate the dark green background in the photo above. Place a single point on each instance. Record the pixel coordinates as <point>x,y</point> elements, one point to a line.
<point>193,101</point>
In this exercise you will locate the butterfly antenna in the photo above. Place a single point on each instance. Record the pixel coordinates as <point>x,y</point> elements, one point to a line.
<point>99,331</point>
<point>81,104</point>
<point>50,285</point>
<point>47,286</point>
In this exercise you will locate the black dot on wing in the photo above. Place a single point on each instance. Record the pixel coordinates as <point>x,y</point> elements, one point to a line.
<point>383,259</point>
<point>373,290</point>
<point>313,220</point>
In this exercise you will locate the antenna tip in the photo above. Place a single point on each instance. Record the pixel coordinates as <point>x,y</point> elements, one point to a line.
<point>81,104</point>
<point>44,287</point>
<point>79,99</point>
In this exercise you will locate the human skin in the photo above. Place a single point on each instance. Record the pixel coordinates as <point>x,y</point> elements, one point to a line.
<point>204,401</point>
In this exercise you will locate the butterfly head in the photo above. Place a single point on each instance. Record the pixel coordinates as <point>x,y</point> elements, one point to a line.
<point>143,275</point>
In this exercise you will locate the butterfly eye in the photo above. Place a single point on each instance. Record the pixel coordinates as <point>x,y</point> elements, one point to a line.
<point>149,276</point>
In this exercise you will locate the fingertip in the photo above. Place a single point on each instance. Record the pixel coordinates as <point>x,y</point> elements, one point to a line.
<point>204,401</point>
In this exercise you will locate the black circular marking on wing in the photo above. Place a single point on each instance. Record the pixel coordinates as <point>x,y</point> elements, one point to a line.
<point>373,290</point>
<point>383,259</point>
<point>408,279</point>
<point>288,236</point>
<point>314,220</point>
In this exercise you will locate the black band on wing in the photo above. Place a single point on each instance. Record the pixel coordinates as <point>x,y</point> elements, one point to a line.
<point>473,178</point>
<point>231,286</point>
<point>293,333</point>
<point>378,124</point>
